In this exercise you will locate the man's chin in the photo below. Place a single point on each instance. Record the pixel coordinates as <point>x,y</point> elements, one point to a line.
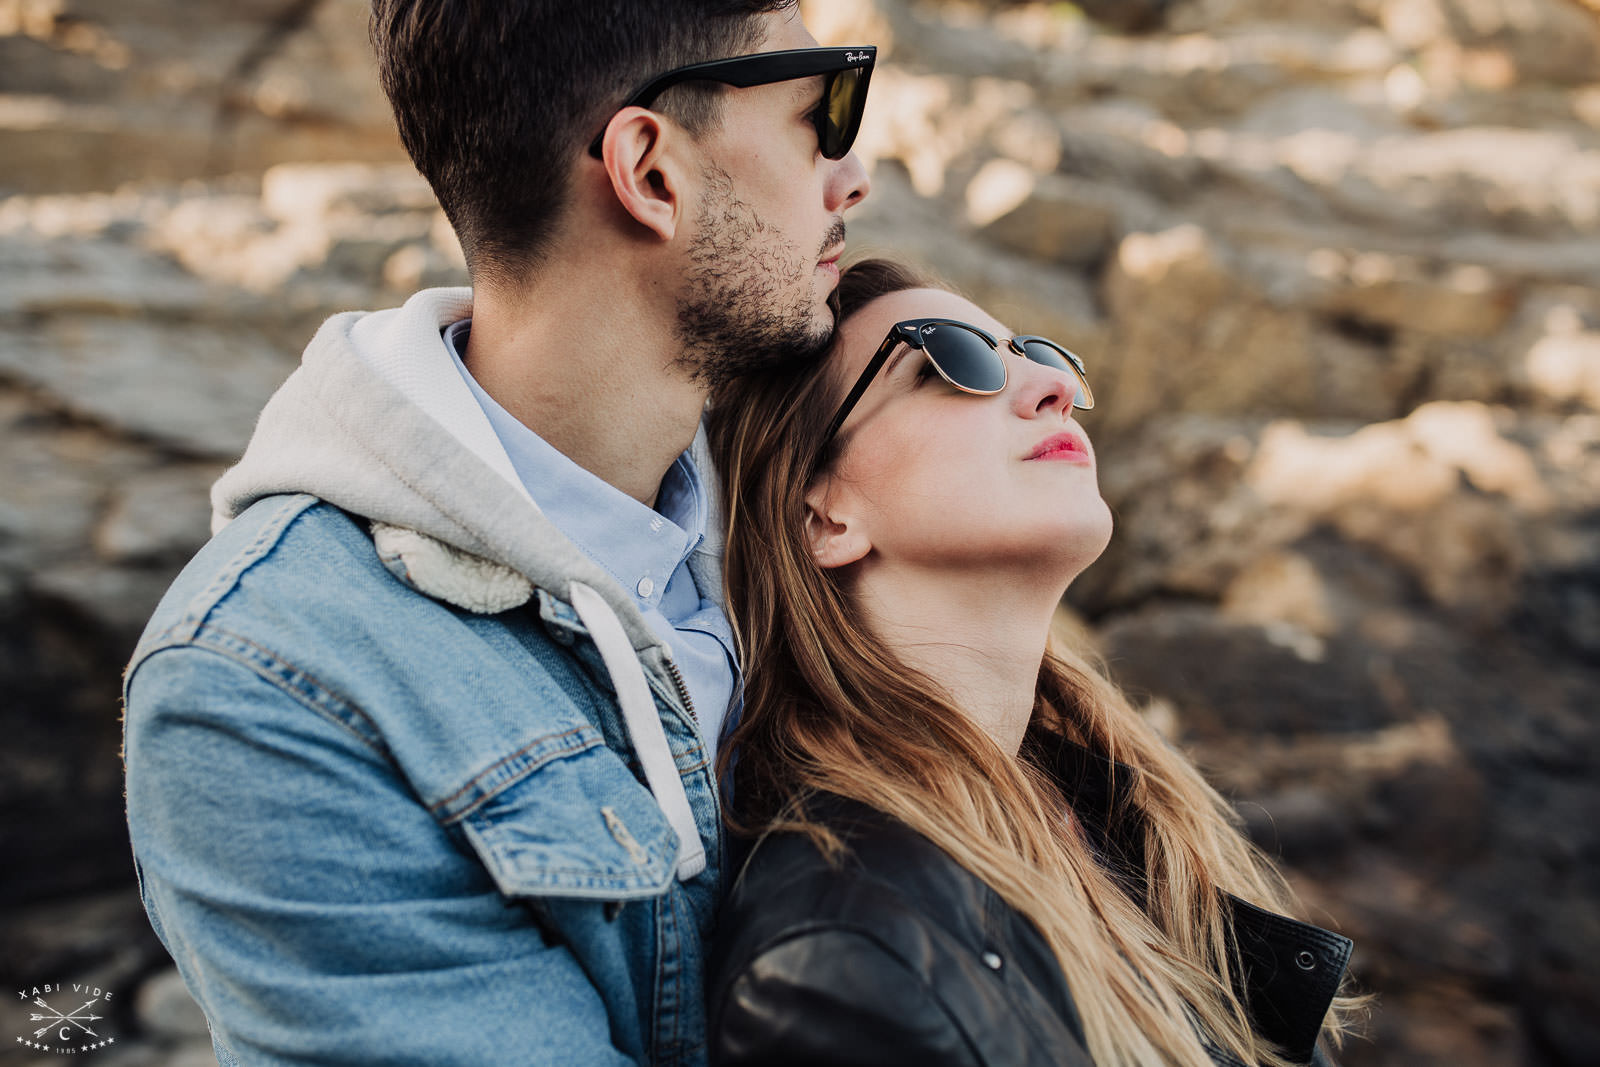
<point>824,318</point>
<point>806,345</point>
<point>820,337</point>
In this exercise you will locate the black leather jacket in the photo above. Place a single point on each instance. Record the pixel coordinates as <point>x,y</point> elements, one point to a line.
<point>901,956</point>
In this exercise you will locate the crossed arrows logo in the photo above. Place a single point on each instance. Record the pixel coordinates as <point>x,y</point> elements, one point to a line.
<point>55,1018</point>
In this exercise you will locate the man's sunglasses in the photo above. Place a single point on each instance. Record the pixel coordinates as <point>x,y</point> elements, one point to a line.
<point>965,356</point>
<point>845,74</point>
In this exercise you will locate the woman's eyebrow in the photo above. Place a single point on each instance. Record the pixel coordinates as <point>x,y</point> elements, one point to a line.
<point>894,360</point>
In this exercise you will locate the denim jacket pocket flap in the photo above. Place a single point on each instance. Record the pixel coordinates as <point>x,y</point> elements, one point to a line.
<point>582,826</point>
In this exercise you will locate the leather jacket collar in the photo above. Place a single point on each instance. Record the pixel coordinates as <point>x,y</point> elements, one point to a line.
<point>1291,969</point>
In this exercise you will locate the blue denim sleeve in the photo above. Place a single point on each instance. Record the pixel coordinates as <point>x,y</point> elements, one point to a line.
<point>317,910</point>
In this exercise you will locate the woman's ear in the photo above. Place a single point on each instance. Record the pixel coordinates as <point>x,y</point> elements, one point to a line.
<point>835,536</point>
<point>645,174</point>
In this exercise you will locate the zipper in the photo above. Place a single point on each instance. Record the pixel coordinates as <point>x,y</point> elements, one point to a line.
<point>688,704</point>
<point>683,690</point>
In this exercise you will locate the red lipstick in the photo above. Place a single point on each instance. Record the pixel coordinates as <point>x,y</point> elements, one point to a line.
<point>1062,446</point>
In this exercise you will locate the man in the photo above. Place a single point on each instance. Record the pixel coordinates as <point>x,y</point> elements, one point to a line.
<point>419,747</point>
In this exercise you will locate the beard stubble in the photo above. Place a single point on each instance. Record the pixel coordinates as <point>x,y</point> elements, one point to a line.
<point>747,305</point>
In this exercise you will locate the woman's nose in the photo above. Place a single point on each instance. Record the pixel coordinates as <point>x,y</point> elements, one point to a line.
<point>1040,390</point>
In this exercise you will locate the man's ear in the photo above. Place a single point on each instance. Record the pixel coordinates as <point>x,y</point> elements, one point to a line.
<point>835,536</point>
<point>645,174</point>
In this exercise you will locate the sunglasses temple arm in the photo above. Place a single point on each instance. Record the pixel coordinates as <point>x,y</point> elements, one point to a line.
<point>870,372</point>
<point>648,94</point>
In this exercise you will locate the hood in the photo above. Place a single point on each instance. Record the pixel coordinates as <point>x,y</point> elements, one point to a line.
<point>377,421</point>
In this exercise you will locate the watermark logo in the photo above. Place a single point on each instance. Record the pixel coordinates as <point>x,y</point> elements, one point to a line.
<point>65,1018</point>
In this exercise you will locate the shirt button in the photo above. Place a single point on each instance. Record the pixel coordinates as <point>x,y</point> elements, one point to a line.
<point>992,960</point>
<point>646,587</point>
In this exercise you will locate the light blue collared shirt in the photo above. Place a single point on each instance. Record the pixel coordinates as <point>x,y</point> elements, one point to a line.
<point>646,550</point>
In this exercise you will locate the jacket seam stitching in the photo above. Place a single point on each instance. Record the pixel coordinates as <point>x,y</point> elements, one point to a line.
<point>327,708</point>
<point>1282,924</point>
<point>194,617</point>
<point>438,807</point>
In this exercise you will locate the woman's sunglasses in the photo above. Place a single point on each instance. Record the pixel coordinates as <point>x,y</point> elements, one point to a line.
<point>845,75</point>
<point>965,356</point>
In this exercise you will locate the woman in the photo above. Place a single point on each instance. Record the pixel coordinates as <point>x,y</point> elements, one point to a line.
<point>969,848</point>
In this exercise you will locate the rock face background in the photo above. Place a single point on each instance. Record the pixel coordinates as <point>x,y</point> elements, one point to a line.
<point>1335,265</point>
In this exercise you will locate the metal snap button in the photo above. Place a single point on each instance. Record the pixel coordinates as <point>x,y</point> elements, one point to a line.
<point>646,587</point>
<point>1305,960</point>
<point>993,961</point>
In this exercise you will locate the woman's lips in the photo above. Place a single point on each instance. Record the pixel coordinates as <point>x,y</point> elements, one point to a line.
<point>1062,446</point>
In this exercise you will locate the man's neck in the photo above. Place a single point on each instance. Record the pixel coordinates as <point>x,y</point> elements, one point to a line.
<point>592,372</point>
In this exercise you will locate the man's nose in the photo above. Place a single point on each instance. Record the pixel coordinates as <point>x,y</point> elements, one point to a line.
<point>848,184</point>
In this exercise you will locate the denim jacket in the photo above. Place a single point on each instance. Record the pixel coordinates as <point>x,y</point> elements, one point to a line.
<point>386,789</point>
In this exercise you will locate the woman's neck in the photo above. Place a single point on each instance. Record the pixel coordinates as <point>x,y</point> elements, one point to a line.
<point>978,636</point>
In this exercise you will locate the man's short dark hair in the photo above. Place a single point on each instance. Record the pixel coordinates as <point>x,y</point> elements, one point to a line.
<point>495,99</point>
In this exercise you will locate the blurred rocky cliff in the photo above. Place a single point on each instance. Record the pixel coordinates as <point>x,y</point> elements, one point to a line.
<point>1335,267</point>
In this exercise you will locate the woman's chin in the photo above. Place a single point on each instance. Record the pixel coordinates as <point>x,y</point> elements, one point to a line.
<point>1076,551</point>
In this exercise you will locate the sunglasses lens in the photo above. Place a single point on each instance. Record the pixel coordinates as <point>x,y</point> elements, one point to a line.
<point>1048,355</point>
<point>964,358</point>
<point>840,118</point>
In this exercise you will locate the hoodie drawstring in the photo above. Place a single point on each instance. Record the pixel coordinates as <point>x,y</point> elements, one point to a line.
<point>644,724</point>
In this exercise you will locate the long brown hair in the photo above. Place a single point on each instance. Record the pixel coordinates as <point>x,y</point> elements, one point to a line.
<point>828,708</point>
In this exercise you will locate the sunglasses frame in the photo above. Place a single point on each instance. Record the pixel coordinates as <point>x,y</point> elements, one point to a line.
<point>911,331</point>
<point>766,68</point>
